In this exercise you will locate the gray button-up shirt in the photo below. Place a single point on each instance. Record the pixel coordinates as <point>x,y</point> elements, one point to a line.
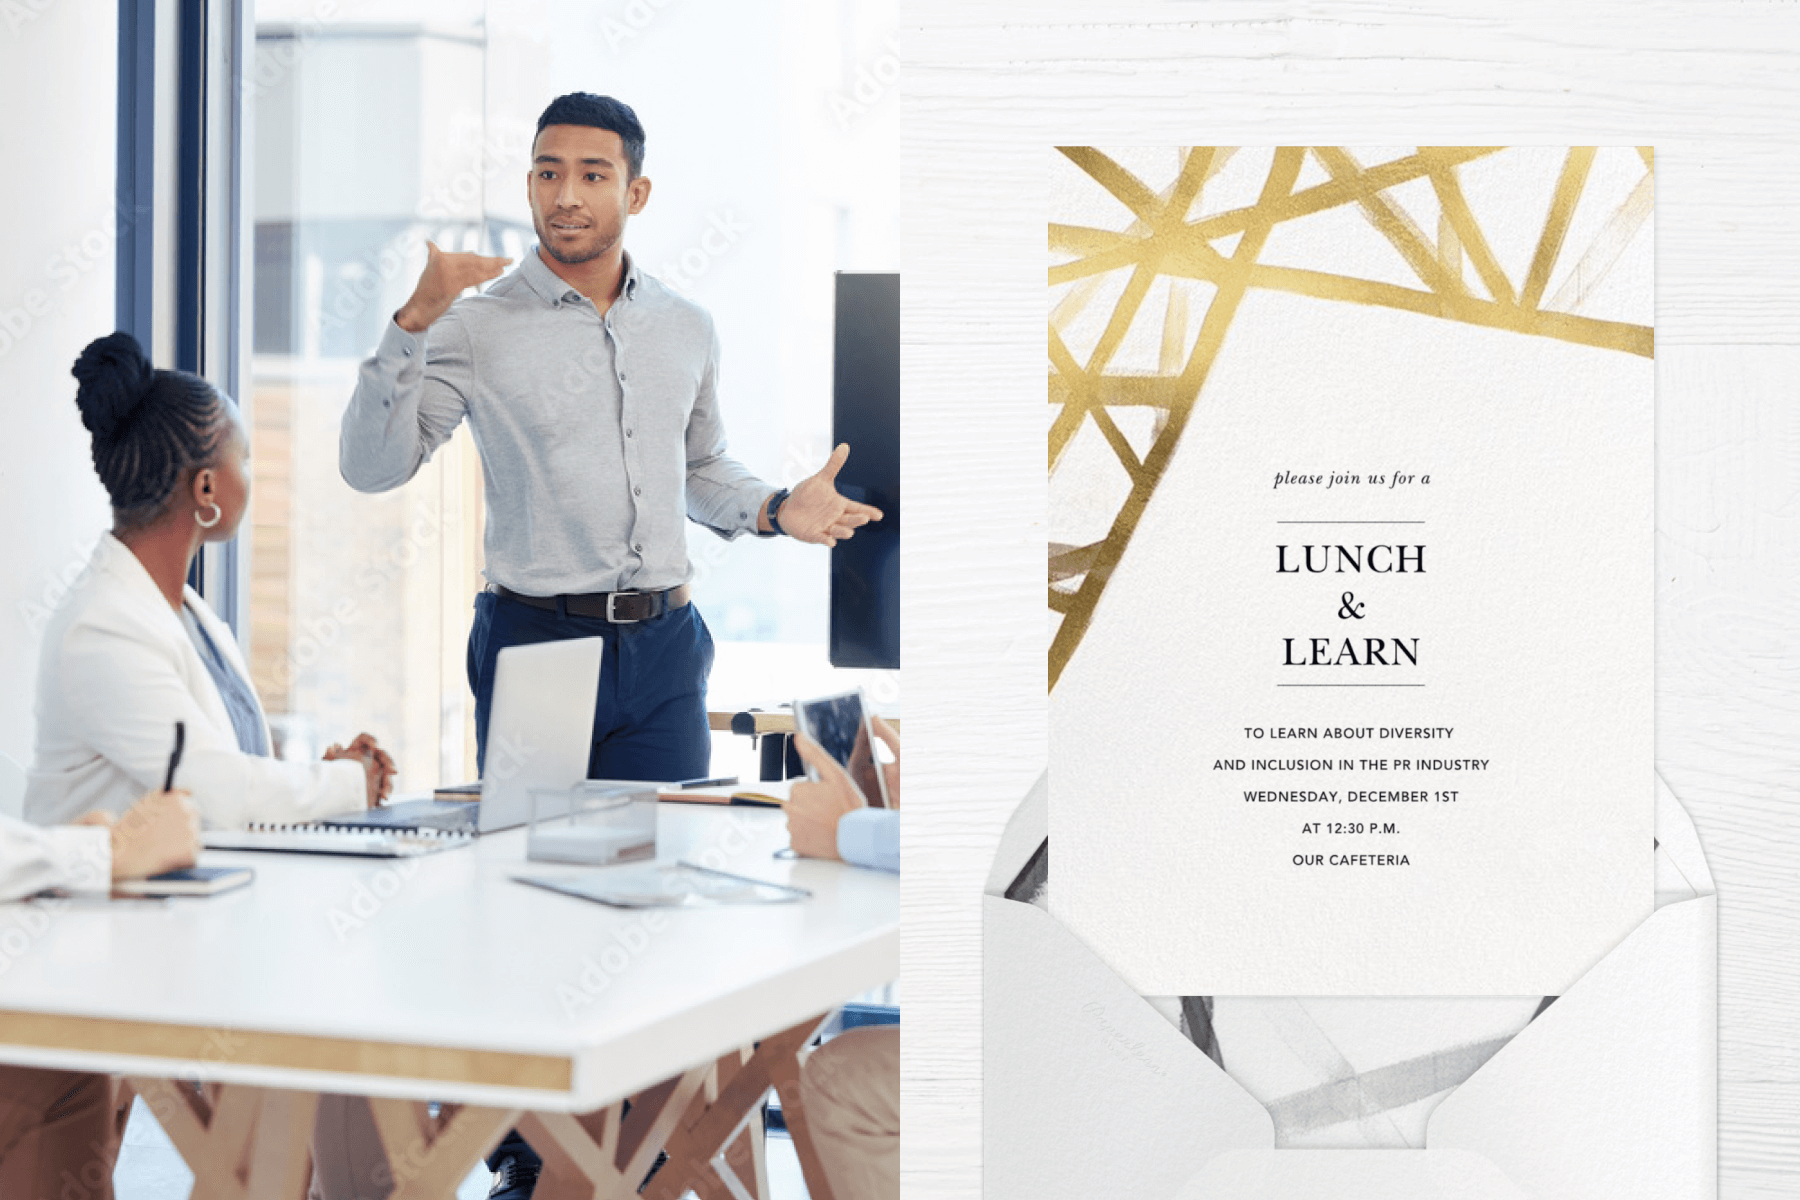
<point>592,429</point>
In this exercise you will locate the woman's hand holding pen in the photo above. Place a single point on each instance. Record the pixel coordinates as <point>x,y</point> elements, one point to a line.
<point>378,765</point>
<point>161,832</point>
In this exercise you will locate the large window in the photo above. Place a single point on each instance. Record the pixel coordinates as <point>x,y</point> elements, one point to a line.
<point>376,126</point>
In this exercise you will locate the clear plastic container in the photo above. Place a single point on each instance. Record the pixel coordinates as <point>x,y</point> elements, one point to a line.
<point>593,823</point>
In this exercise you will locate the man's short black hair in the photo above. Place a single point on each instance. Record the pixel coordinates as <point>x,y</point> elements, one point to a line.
<point>600,112</point>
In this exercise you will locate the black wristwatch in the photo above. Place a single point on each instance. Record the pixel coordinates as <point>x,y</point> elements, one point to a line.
<point>775,503</point>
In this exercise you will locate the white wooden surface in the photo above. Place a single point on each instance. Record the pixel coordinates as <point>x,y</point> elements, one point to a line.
<point>990,86</point>
<point>447,951</point>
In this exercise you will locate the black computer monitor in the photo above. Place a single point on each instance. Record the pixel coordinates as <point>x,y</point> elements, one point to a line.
<point>865,571</point>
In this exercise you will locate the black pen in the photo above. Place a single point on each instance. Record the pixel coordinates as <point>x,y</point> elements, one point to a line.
<point>175,756</point>
<point>721,781</point>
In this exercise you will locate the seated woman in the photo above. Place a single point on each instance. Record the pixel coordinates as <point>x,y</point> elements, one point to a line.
<point>132,650</point>
<point>63,1126</point>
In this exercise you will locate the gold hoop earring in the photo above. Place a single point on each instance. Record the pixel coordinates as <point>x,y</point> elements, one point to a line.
<point>217,514</point>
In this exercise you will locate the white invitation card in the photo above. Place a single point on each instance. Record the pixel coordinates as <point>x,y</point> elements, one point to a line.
<point>1351,565</point>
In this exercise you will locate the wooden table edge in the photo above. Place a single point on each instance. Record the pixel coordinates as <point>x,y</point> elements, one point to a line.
<point>204,1045</point>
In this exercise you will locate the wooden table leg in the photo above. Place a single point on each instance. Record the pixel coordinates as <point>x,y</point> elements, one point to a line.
<point>784,1074</point>
<point>429,1156</point>
<point>240,1142</point>
<point>246,1143</point>
<point>704,1118</point>
<point>718,1119</point>
<point>738,1170</point>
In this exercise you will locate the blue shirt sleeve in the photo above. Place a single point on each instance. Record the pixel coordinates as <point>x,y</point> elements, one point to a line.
<point>870,837</point>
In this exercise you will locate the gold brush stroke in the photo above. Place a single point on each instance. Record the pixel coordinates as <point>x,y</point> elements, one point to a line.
<point>1455,206</point>
<point>1080,613</point>
<point>1317,198</point>
<point>1068,562</point>
<point>1125,187</point>
<point>1180,197</point>
<point>1079,396</point>
<point>1322,196</point>
<point>1116,438</point>
<point>1604,251</point>
<point>1194,172</point>
<point>1138,234</point>
<point>1136,288</point>
<point>1145,273</point>
<point>1175,323</point>
<point>1084,239</point>
<point>1125,391</point>
<point>1564,327</point>
<point>1183,250</point>
<point>1567,327</point>
<point>1450,253</point>
<point>1394,224</point>
<point>1556,223</point>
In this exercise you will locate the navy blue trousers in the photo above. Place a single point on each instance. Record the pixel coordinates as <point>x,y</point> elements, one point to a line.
<point>650,714</point>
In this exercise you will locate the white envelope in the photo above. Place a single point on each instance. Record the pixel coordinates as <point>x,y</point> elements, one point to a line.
<point>1088,1092</point>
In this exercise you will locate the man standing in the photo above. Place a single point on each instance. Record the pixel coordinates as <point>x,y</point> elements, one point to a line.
<point>590,388</point>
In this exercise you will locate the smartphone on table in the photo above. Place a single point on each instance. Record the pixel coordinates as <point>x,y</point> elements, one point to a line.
<point>840,724</point>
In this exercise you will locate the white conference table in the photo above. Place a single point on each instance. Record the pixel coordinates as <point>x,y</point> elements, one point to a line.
<point>439,979</point>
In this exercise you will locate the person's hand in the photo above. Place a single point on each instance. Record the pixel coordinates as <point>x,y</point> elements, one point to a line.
<point>447,275</point>
<point>813,808</point>
<point>378,765</point>
<point>814,512</point>
<point>863,765</point>
<point>161,832</point>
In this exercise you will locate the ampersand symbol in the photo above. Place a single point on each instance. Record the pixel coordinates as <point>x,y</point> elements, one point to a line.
<point>1350,607</point>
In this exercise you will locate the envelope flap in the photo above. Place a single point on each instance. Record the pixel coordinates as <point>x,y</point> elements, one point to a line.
<point>1612,1091</point>
<point>1351,1175</point>
<point>1678,842</point>
<point>1086,1090</point>
<point>1024,844</point>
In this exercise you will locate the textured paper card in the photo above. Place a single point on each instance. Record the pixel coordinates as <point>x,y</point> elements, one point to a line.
<point>1351,492</point>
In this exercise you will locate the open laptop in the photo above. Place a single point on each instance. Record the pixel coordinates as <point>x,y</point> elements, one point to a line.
<point>540,733</point>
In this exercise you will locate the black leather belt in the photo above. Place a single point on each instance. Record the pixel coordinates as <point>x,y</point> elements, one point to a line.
<point>620,608</point>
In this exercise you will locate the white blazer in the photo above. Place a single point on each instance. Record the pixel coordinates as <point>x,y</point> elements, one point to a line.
<point>117,671</point>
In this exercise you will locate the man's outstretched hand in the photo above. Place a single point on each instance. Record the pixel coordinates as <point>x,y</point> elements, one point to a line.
<point>814,512</point>
<point>447,274</point>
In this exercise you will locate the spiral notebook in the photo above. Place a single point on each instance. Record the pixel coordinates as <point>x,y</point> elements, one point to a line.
<point>324,837</point>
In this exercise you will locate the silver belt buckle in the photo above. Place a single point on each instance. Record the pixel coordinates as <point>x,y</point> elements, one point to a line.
<point>612,599</point>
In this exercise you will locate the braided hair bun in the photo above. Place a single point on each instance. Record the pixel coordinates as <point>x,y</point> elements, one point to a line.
<point>116,378</point>
<point>149,427</point>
